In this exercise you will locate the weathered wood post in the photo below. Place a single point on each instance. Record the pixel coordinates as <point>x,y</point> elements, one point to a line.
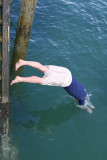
<point>4,132</point>
<point>5,50</point>
<point>23,30</point>
<point>7,151</point>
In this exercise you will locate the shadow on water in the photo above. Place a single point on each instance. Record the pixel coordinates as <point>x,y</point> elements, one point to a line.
<point>7,151</point>
<point>51,117</point>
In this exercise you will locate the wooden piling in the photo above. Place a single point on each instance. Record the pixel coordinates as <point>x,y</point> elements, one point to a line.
<point>4,132</point>
<point>7,150</point>
<point>5,50</point>
<point>23,30</point>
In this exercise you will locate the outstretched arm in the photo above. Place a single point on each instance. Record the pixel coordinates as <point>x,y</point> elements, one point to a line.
<point>85,108</point>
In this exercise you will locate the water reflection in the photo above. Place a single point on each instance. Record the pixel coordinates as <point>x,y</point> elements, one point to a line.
<point>43,120</point>
<point>7,151</point>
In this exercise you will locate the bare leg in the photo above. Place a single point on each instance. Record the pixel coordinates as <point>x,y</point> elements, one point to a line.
<point>32,79</point>
<point>32,64</point>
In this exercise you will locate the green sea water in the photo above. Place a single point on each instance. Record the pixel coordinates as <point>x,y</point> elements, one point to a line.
<point>45,122</point>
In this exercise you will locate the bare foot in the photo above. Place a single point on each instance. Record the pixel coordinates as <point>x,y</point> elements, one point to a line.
<point>19,64</point>
<point>16,80</point>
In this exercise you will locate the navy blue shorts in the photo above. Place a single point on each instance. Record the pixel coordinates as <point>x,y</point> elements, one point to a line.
<point>77,90</point>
